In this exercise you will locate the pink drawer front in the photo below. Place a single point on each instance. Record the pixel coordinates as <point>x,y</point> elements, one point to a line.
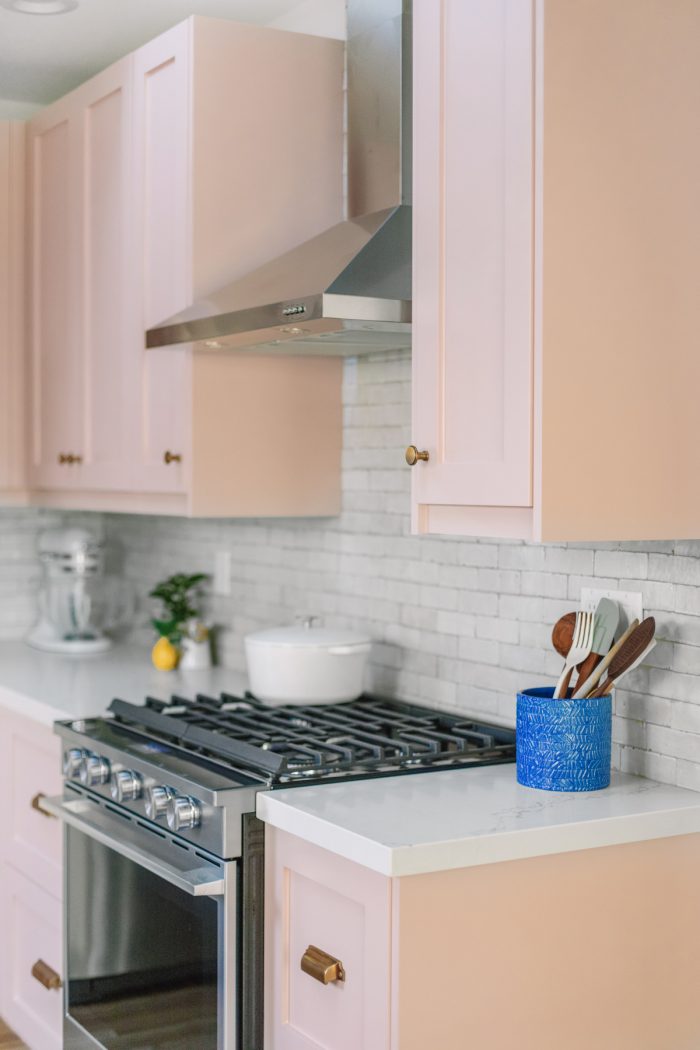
<point>315,898</point>
<point>31,935</point>
<point>30,767</point>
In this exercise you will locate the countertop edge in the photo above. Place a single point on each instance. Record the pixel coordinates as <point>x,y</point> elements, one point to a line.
<point>29,707</point>
<point>476,850</point>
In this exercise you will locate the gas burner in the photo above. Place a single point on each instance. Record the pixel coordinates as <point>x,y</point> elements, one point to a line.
<point>285,745</point>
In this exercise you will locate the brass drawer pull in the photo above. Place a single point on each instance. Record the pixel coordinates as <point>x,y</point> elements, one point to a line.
<point>413,455</point>
<point>43,973</point>
<point>36,804</point>
<point>69,458</point>
<point>322,966</point>
<point>172,457</point>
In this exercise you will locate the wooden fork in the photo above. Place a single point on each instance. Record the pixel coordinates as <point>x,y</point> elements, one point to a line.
<point>580,648</point>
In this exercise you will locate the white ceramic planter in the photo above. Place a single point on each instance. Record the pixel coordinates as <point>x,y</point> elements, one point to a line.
<point>306,665</point>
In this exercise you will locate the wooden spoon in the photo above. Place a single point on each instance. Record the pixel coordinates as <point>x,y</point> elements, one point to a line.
<point>563,634</point>
<point>638,642</point>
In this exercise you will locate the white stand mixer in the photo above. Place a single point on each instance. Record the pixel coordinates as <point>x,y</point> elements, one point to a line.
<point>69,598</point>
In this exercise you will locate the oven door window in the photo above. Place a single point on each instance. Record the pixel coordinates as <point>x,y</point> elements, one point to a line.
<point>142,955</point>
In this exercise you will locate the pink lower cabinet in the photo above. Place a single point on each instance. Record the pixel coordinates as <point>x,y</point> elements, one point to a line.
<point>31,1000</point>
<point>593,948</point>
<point>317,900</point>
<point>30,883</point>
<point>30,768</point>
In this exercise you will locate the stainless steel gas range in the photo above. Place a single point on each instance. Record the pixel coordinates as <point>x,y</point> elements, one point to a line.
<point>164,855</point>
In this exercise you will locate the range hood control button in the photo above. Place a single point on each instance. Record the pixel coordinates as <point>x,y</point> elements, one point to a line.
<point>126,785</point>
<point>183,812</point>
<point>94,769</point>
<point>72,760</point>
<point>157,801</point>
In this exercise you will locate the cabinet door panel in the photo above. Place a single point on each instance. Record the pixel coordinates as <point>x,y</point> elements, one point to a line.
<point>315,898</point>
<point>55,325</point>
<point>31,932</point>
<point>30,757</point>
<point>163,424</point>
<point>472,344</point>
<point>162,152</point>
<point>106,125</point>
<point>12,237</point>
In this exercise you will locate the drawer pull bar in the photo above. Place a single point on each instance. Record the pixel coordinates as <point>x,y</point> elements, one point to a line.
<point>36,804</point>
<point>45,975</point>
<point>322,966</point>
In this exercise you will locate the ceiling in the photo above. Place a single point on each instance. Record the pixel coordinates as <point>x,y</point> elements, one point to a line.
<point>43,57</point>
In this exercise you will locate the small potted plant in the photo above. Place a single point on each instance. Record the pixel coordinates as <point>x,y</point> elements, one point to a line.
<point>179,595</point>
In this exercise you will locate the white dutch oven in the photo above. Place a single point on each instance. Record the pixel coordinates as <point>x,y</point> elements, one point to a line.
<point>306,664</point>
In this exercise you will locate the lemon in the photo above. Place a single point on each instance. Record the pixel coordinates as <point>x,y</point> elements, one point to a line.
<point>164,655</point>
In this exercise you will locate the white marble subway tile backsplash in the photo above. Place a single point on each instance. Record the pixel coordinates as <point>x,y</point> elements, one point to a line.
<point>461,624</point>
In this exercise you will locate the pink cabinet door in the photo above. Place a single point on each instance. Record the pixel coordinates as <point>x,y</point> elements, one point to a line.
<point>314,898</point>
<point>104,106</point>
<point>473,252</point>
<point>12,237</point>
<point>162,150</point>
<point>30,925</point>
<point>55,330</point>
<point>163,256</point>
<point>30,766</point>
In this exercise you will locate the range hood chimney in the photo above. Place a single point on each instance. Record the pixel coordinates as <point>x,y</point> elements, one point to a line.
<point>348,290</point>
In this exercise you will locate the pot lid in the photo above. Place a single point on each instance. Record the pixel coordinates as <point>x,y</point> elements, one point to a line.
<point>309,636</point>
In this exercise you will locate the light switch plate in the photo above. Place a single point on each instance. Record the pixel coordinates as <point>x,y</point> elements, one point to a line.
<point>630,602</point>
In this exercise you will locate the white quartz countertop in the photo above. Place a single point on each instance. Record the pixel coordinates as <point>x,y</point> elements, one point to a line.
<point>413,824</point>
<point>45,687</point>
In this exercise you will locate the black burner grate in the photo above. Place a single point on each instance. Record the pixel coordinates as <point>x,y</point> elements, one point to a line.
<point>289,744</point>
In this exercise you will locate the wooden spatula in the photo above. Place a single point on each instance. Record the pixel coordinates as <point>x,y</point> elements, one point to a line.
<point>592,681</point>
<point>629,654</point>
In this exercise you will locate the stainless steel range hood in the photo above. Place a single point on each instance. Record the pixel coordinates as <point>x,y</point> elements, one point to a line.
<point>348,290</point>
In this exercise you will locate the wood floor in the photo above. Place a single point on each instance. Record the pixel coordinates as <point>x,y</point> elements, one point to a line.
<point>8,1039</point>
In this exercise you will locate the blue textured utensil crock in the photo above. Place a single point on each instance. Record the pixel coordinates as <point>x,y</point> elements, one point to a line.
<point>563,745</point>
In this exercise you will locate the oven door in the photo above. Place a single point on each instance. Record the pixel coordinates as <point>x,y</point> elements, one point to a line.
<point>150,936</point>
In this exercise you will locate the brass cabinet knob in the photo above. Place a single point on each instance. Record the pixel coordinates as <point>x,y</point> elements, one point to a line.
<point>69,458</point>
<point>171,457</point>
<point>36,804</point>
<point>46,975</point>
<point>413,455</point>
<point>322,966</point>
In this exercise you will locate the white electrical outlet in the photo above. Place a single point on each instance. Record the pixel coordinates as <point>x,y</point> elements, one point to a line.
<point>630,602</point>
<point>222,573</point>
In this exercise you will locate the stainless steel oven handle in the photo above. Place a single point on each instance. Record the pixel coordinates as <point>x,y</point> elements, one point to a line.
<point>202,881</point>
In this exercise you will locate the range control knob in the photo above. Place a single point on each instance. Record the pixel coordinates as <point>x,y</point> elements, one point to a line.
<point>94,769</point>
<point>72,759</point>
<point>126,785</point>
<point>183,812</point>
<point>157,801</point>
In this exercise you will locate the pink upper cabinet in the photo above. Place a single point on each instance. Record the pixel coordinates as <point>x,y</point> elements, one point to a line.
<point>12,361</point>
<point>223,181</point>
<point>209,150</point>
<point>473,258</point>
<point>56,351</point>
<point>105,114</point>
<point>556,248</point>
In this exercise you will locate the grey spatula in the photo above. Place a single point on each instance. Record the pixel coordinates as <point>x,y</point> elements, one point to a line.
<point>607,619</point>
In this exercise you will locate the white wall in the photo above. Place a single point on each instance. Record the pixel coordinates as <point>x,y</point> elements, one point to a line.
<point>10,110</point>
<point>319,17</point>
